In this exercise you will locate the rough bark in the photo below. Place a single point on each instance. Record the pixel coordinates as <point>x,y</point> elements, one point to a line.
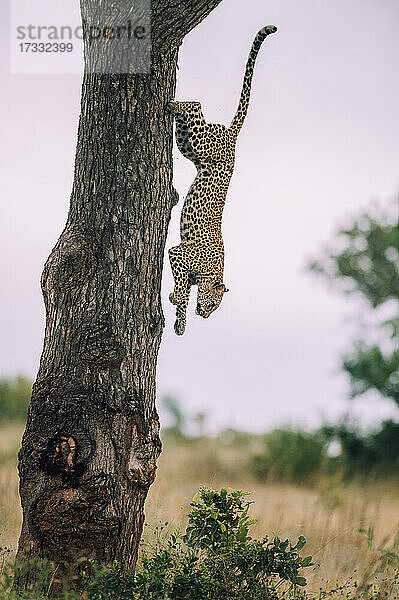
<point>91,442</point>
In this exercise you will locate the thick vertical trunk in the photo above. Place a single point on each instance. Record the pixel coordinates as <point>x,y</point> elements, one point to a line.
<point>91,442</point>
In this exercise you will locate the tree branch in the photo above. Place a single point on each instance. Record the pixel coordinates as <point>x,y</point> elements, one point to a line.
<point>173,19</point>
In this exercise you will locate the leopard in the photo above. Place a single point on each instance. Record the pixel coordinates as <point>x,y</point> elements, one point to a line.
<point>199,258</point>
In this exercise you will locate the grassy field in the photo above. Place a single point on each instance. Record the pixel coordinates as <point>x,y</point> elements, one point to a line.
<point>329,513</point>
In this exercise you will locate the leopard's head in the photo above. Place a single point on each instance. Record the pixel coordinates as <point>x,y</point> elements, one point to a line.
<point>210,294</point>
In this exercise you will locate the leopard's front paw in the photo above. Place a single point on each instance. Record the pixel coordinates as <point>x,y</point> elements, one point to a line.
<point>180,326</point>
<point>172,107</point>
<point>181,319</point>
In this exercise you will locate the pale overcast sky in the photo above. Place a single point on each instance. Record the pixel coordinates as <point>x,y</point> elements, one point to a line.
<point>319,143</point>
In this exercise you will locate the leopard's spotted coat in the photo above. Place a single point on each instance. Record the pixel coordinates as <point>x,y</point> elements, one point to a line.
<point>199,259</point>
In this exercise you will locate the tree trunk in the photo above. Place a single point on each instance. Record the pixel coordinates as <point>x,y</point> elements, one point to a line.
<point>91,442</point>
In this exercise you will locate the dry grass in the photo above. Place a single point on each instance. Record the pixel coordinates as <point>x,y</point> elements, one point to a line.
<point>10,511</point>
<point>329,514</point>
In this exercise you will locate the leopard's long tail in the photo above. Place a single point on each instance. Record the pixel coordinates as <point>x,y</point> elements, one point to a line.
<point>241,113</point>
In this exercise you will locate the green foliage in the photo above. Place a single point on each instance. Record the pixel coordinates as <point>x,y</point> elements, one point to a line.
<point>299,457</point>
<point>103,583</point>
<point>368,263</point>
<point>290,455</point>
<point>14,398</point>
<point>215,559</point>
<point>369,260</point>
<point>369,368</point>
<point>219,526</point>
<point>39,586</point>
<point>218,519</point>
<point>376,452</point>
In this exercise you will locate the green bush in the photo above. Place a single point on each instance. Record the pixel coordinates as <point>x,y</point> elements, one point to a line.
<point>14,398</point>
<point>215,559</point>
<point>290,455</point>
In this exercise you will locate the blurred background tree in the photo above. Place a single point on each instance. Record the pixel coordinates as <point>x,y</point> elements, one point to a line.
<point>179,424</point>
<point>177,419</point>
<point>367,263</point>
<point>15,393</point>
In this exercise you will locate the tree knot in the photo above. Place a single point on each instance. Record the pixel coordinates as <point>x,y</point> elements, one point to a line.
<point>64,453</point>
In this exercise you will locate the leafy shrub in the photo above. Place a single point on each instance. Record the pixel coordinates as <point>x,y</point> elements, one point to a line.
<point>290,455</point>
<point>215,559</point>
<point>14,398</point>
